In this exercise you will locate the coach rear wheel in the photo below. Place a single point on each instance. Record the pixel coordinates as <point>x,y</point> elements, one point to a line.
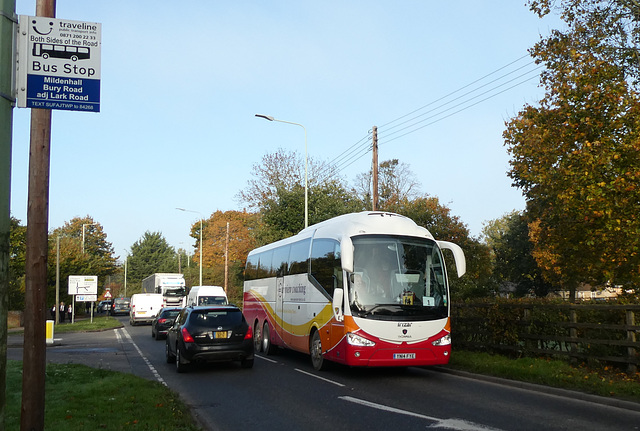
<point>267,348</point>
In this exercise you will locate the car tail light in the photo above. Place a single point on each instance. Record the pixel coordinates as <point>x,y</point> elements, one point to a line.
<point>249,334</point>
<point>162,320</point>
<point>186,337</point>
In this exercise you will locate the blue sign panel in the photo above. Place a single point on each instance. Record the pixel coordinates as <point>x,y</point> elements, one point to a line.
<point>72,94</point>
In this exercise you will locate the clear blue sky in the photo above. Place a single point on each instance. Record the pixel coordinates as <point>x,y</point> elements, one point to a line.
<point>181,82</point>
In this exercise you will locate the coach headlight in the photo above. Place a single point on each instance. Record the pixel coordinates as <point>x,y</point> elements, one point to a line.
<point>357,340</point>
<point>444,341</point>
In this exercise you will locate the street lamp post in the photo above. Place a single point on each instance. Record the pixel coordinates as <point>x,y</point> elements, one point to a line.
<point>306,163</point>
<point>126,259</point>
<point>201,217</point>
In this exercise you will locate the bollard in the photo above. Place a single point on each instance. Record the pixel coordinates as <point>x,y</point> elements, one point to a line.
<point>50,331</point>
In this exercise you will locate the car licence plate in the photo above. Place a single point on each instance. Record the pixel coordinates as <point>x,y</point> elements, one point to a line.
<point>220,334</point>
<point>404,356</point>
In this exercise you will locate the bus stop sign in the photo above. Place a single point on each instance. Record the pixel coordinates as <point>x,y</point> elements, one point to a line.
<point>58,64</point>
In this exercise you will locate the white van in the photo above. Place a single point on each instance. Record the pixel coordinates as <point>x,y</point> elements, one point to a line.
<point>144,307</point>
<point>207,295</point>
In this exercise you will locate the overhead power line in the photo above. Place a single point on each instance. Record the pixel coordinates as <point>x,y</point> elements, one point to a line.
<point>440,109</point>
<point>458,90</point>
<point>448,107</point>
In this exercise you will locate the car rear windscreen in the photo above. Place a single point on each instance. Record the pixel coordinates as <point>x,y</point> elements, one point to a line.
<point>216,318</point>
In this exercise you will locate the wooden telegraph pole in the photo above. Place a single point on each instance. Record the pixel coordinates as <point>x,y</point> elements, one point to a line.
<point>375,169</point>
<point>34,353</point>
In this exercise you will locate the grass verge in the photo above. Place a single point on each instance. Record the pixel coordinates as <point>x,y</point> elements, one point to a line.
<point>604,381</point>
<point>84,325</point>
<point>100,323</point>
<point>84,398</point>
<point>78,397</point>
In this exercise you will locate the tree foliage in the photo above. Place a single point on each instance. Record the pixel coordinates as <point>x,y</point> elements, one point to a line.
<point>96,259</point>
<point>515,269</point>
<point>283,216</point>
<point>237,244</point>
<point>607,28</point>
<point>576,157</point>
<point>282,172</point>
<point>150,254</point>
<point>277,192</point>
<point>396,183</point>
<point>17,260</point>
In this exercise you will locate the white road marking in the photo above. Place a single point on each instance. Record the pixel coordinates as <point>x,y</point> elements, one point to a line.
<point>450,424</point>
<point>266,359</point>
<point>318,377</point>
<point>144,358</point>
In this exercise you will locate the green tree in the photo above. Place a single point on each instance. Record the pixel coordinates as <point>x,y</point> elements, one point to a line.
<point>283,172</point>
<point>277,193</point>
<point>90,254</point>
<point>576,157</point>
<point>514,266</point>
<point>150,254</point>
<point>17,255</point>
<point>610,29</point>
<point>283,216</point>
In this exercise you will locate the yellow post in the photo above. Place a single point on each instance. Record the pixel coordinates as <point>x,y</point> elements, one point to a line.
<point>50,331</point>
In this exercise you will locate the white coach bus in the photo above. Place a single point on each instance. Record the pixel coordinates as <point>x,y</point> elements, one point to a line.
<point>361,289</point>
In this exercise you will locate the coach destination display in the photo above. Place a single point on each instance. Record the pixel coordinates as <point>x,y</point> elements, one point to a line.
<point>59,64</point>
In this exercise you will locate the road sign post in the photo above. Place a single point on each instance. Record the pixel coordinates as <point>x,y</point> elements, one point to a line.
<point>83,288</point>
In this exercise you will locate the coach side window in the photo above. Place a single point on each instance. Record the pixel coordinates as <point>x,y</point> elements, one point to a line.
<point>251,269</point>
<point>280,262</point>
<point>299,257</point>
<point>326,267</point>
<point>264,265</point>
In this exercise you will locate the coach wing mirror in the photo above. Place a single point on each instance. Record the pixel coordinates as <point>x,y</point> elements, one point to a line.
<point>346,254</point>
<point>338,296</point>
<point>458,255</point>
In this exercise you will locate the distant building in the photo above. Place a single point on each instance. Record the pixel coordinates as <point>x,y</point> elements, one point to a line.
<point>586,292</point>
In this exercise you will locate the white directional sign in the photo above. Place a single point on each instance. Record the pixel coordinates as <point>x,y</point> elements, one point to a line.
<point>83,285</point>
<point>59,64</point>
<point>86,298</point>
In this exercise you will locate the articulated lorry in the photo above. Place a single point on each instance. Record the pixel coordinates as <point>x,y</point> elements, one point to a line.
<point>171,286</point>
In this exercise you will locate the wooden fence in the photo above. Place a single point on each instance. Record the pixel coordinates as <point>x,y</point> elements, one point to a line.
<point>578,332</point>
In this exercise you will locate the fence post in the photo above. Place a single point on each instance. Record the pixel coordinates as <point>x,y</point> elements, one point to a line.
<point>526,320</point>
<point>631,336</point>
<point>573,334</point>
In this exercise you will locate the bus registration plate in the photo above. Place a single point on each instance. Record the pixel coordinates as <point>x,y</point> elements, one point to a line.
<point>404,356</point>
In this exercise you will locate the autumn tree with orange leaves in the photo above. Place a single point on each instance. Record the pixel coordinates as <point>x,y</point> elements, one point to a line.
<point>238,243</point>
<point>576,156</point>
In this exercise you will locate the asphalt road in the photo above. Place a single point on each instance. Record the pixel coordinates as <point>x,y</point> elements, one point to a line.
<point>284,392</point>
